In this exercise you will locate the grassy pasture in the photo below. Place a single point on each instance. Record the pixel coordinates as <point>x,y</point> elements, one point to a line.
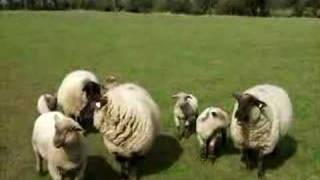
<point>207,55</point>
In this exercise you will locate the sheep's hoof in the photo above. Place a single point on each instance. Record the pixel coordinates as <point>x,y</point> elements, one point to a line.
<point>249,165</point>
<point>261,175</point>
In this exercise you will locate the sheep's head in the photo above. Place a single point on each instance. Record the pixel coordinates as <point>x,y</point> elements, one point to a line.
<point>98,113</point>
<point>67,132</point>
<point>110,82</point>
<point>92,92</point>
<point>247,103</point>
<point>51,101</point>
<point>214,117</point>
<point>181,98</point>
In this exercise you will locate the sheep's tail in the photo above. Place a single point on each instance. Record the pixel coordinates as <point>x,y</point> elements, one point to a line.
<point>47,103</point>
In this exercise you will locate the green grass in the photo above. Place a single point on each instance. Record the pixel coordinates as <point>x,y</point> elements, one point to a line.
<point>207,55</point>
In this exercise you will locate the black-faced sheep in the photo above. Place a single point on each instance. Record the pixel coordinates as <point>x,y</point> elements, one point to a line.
<point>261,116</point>
<point>79,89</point>
<point>129,121</point>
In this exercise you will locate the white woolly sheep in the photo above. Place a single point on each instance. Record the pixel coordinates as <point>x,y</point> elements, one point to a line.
<point>129,121</point>
<point>46,103</point>
<point>77,90</point>
<point>59,140</point>
<point>211,127</point>
<point>261,116</point>
<point>185,113</point>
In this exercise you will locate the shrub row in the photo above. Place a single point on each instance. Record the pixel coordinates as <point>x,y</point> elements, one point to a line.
<point>233,7</point>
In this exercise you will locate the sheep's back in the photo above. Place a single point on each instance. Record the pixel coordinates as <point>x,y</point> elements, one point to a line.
<point>70,94</point>
<point>43,132</point>
<point>131,120</point>
<point>278,101</point>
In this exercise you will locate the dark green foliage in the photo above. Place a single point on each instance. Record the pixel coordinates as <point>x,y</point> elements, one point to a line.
<point>136,5</point>
<point>308,8</point>
<point>243,7</point>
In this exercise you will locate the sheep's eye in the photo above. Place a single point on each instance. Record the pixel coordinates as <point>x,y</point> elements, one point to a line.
<point>214,114</point>
<point>98,105</point>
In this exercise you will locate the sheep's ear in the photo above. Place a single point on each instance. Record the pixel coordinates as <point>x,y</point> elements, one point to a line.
<point>110,79</point>
<point>175,96</point>
<point>237,95</point>
<point>56,118</point>
<point>77,127</point>
<point>187,97</point>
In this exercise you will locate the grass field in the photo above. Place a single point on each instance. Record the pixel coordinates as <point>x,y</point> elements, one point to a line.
<point>210,56</point>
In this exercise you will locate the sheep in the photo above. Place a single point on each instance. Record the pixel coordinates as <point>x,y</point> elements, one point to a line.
<point>211,127</point>
<point>59,140</point>
<point>261,116</point>
<point>46,103</point>
<point>79,89</point>
<point>110,82</point>
<point>129,121</point>
<point>185,113</point>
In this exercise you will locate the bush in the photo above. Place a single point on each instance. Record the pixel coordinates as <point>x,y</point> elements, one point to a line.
<point>160,5</point>
<point>136,5</point>
<point>190,6</point>
<point>238,7</point>
<point>243,7</point>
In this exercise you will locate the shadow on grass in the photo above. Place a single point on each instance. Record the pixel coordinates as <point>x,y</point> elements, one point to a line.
<point>165,152</point>
<point>99,169</point>
<point>286,149</point>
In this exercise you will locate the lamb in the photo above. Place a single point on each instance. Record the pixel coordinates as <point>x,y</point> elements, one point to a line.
<point>129,121</point>
<point>185,113</point>
<point>58,140</point>
<point>211,127</point>
<point>261,116</point>
<point>46,103</point>
<point>79,89</point>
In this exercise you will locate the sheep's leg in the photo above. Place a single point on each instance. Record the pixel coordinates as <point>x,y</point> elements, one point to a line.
<point>202,147</point>
<point>261,168</point>
<point>124,165</point>
<point>132,170</point>
<point>224,136</point>
<point>80,175</point>
<point>212,149</point>
<point>54,172</point>
<point>39,161</point>
<point>245,158</point>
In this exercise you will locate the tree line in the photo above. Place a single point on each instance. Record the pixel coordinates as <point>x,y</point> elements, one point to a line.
<point>234,7</point>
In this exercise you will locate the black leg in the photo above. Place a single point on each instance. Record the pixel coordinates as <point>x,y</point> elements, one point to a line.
<point>182,132</point>
<point>261,169</point>
<point>203,152</point>
<point>212,152</point>
<point>224,136</point>
<point>123,162</point>
<point>246,158</point>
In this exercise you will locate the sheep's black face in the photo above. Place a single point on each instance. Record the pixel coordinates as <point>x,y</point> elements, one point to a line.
<point>246,103</point>
<point>92,90</point>
<point>93,94</point>
<point>86,117</point>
